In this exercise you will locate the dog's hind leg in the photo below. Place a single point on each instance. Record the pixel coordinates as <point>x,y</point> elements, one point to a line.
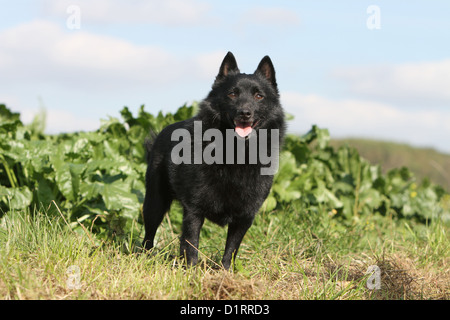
<point>156,203</point>
<point>189,241</point>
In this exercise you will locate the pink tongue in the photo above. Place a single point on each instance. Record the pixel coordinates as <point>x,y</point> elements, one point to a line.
<point>243,131</point>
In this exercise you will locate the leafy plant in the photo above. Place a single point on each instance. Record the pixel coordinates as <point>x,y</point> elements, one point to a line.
<point>340,182</point>
<point>97,178</point>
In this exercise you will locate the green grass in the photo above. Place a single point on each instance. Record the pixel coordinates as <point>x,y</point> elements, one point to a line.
<point>290,254</point>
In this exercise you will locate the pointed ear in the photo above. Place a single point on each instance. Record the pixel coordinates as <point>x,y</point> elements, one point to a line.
<point>266,69</point>
<point>228,65</point>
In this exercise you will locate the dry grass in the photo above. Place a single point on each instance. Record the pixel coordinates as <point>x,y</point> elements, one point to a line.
<point>401,278</point>
<point>35,256</point>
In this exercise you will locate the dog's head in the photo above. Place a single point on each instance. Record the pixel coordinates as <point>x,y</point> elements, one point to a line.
<point>242,101</point>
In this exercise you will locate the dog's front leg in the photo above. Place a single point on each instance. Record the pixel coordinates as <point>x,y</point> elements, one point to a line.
<point>190,237</point>
<point>236,231</point>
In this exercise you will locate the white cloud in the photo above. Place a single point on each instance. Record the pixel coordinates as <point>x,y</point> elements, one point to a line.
<point>44,52</point>
<point>361,118</point>
<point>167,12</point>
<point>85,76</point>
<point>58,121</point>
<point>414,84</point>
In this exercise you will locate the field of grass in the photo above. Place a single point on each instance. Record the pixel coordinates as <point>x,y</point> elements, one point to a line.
<point>292,255</point>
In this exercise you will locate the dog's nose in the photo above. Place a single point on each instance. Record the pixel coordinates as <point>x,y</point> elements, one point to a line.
<point>245,114</point>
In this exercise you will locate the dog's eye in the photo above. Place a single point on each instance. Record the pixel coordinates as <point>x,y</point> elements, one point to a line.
<point>232,95</point>
<point>259,96</point>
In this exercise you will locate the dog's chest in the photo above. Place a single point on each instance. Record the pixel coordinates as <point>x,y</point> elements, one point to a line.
<point>231,192</point>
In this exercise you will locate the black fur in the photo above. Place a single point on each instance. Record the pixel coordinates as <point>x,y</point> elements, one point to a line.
<point>227,194</point>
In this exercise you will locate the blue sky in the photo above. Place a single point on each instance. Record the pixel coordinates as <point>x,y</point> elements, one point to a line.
<point>391,82</point>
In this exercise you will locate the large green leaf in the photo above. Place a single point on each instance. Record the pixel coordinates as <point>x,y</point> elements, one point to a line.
<point>117,196</point>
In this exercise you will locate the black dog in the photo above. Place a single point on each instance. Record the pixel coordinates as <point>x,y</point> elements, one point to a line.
<point>228,188</point>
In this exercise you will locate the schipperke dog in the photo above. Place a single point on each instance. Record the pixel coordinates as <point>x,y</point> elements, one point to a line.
<point>214,163</point>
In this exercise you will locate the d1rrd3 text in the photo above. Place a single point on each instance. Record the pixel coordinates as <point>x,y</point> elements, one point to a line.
<point>237,309</point>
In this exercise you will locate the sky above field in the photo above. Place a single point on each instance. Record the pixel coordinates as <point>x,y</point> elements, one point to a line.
<point>374,69</point>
